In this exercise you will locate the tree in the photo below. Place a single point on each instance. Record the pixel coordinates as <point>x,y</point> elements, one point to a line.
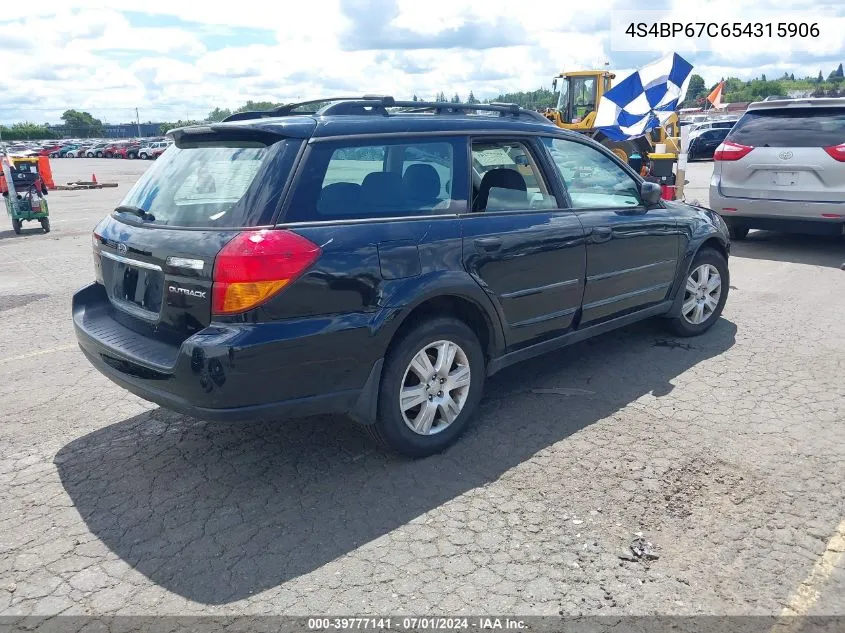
<point>26,132</point>
<point>532,100</point>
<point>791,76</point>
<point>415,98</point>
<point>696,89</point>
<point>218,114</point>
<point>164,128</point>
<point>456,98</point>
<point>441,98</point>
<point>82,123</point>
<point>471,98</point>
<point>762,77</point>
<point>257,106</point>
<point>821,77</point>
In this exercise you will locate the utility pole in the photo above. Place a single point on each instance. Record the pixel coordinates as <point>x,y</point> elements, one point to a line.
<point>137,123</point>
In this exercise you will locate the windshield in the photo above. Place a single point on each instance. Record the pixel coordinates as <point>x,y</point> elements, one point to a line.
<point>583,95</point>
<point>563,96</point>
<point>577,98</point>
<point>208,184</point>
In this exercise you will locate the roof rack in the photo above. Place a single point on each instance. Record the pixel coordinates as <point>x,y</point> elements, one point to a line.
<point>382,104</point>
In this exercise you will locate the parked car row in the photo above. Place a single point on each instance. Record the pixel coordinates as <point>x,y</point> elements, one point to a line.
<point>146,149</point>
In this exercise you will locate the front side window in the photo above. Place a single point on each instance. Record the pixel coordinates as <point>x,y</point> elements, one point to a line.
<point>407,177</point>
<point>507,178</point>
<point>593,180</point>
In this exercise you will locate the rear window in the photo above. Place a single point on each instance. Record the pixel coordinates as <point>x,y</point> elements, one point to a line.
<point>214,184</point>
<point>791,127</point>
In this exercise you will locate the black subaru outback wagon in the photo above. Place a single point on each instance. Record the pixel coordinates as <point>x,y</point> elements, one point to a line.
<point>380,259</point>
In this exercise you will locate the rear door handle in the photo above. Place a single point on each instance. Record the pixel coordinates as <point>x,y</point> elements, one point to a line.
<point>488,244</point>
<point>601,233</point>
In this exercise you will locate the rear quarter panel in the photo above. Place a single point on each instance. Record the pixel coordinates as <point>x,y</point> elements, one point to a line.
<point>372,275</point>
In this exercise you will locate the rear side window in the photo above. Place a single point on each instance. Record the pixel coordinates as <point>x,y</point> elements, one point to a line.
<point>790,127</point>
<point>507,178</point>
<point>404,177</point>
<point>214,184</point>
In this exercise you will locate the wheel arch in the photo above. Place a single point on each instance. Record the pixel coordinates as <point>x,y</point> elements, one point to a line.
<point>466,302</point>
<point>712,240</point>
<point>453,302</point>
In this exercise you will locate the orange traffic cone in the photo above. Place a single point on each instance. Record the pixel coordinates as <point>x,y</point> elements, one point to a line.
<point>94,178</point>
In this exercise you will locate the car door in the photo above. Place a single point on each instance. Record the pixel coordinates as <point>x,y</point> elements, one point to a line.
<point>524,250</point>
<point>632,251</point>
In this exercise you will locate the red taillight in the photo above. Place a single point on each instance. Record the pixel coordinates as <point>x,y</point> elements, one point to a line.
<point>96,240</point>
<point>255,265</point>
<point>729,150</point>
<point>837,152</point>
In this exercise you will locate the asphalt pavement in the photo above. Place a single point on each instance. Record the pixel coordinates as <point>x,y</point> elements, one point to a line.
<point>725,452</point>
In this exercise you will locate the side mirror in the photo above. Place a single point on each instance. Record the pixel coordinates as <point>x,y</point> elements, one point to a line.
<point>651,193</point>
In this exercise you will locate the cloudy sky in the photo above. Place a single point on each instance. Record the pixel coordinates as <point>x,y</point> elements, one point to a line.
<point>180,58</point>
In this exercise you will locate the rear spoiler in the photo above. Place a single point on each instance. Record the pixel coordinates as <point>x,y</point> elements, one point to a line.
<point>185,136</point>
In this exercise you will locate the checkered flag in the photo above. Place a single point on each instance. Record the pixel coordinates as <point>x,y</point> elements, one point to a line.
<point>645,99</point>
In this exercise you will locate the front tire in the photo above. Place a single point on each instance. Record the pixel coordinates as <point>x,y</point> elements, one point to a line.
<point>45,225</point>
<point>16,226</point>
<point>704,294</point>
<point>431,385</point>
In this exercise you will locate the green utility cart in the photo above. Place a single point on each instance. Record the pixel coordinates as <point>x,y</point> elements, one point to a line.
<point>24,193</point>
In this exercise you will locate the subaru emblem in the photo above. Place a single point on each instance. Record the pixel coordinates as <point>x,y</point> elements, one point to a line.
<point>121,248</point>
<point>785,155</point>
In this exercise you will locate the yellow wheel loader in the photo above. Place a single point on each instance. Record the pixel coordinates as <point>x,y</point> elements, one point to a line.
<point>580,93</point>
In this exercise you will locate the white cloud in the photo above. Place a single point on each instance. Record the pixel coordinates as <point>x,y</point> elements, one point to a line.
<point>87,53</point>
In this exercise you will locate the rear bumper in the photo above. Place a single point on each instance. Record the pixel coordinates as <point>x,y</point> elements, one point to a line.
<point>234,372</point>
<point>764,214</point>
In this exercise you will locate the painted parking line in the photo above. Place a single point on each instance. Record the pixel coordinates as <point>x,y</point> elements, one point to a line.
<point>63,220</point>
<point>61,348</point>
<point>808,592</point>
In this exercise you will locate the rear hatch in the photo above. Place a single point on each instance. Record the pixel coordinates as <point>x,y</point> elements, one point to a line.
<point>154,255</point>
<point>790,152</point>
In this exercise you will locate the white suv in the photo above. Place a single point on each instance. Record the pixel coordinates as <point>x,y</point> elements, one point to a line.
<point>146,152</point>
<point>782,167</point>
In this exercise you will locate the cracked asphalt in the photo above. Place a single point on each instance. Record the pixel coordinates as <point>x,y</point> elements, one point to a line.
<point>727,452</point>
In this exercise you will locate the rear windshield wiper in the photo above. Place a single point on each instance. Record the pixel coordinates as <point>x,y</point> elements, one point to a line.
<point>144,215</point>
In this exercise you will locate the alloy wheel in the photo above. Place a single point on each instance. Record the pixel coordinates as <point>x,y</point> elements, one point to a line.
<point>701,295</point>
<point>435,387</point>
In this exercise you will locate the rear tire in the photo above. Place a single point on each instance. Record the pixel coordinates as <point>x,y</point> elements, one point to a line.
<point>701,305</point>
<point>737,232</point>
<point>453,394</point>
<point>16,226</point>
<point>45,225</point>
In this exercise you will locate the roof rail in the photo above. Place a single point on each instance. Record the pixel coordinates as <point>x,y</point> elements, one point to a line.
<point>379,104</point>
<point>286,109</point>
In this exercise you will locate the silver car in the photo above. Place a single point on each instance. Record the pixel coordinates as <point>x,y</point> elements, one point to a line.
<point>782,167</point>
